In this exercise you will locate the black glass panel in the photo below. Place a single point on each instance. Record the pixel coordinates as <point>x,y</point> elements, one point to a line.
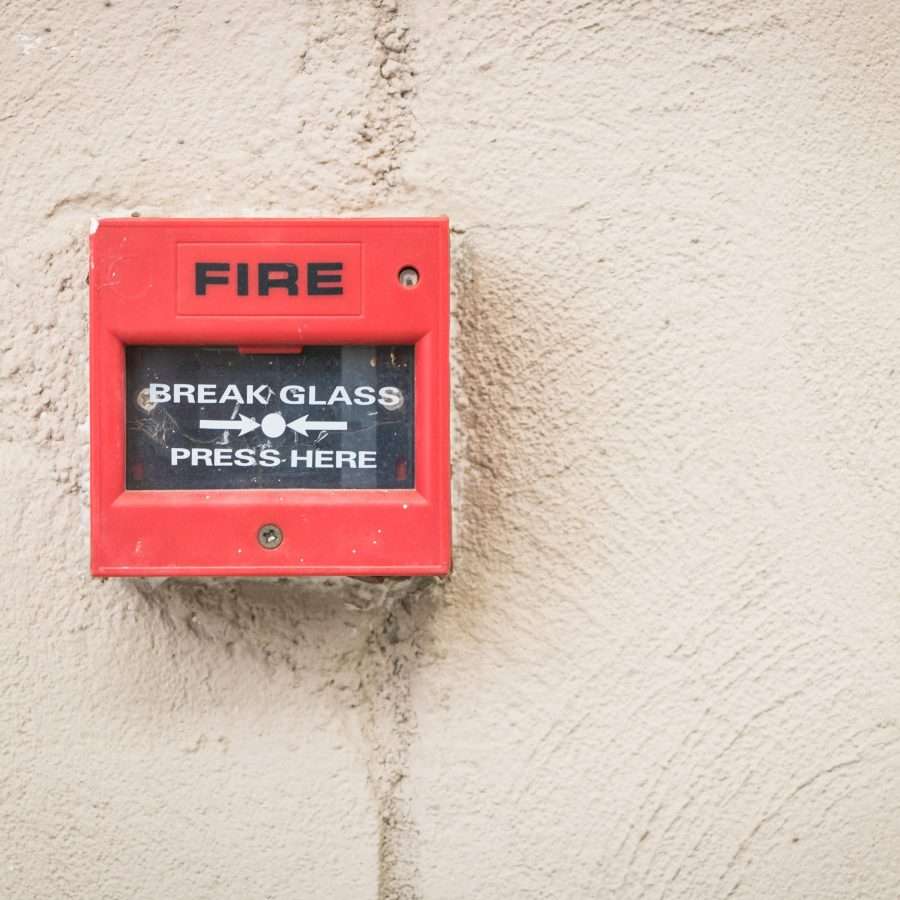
<point>215,418</point>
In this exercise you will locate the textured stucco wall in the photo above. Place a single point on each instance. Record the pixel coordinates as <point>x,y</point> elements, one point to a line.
<point>667,664</point>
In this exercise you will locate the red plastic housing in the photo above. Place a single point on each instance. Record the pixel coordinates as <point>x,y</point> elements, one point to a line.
<point>139,295</point>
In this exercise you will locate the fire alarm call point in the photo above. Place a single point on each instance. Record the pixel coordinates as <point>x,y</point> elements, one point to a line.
<point>269,397</point>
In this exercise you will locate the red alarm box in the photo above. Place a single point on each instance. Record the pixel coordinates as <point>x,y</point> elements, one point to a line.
<point>270,397</point>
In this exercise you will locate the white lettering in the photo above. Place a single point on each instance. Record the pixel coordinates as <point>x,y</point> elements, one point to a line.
<point>231,395</point>
<point>345,456</point>
<point>223,457</point>
<point>390,397</point>
<point>332,459</point>
<point>183,392</point>
<point>160,393</point>
<point>261,394</point>
<point>269,457</point>
<point>339,395</point>
<point>291,394</point>
<point>297,458</point>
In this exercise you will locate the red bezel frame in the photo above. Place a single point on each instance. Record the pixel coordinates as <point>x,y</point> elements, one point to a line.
<point>326,532</point>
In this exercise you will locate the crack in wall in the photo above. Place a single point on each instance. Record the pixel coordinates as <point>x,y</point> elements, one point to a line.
<point>386,670</point>
<point>394,643</point>
<point>389,126</point>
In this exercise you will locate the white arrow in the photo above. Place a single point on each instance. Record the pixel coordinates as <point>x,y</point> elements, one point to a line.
<point>302,426</point>
<point>242,426</point>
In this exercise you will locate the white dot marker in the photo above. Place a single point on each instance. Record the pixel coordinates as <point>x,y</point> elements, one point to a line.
<point>273,425</point>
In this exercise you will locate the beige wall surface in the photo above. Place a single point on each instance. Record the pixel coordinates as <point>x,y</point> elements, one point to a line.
<point>667,663</point>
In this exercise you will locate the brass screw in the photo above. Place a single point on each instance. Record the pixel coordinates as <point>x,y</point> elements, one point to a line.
<point>143,400</point>
<point>270,536</point>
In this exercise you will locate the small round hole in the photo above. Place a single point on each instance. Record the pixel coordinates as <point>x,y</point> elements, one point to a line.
<point>408,276</point>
